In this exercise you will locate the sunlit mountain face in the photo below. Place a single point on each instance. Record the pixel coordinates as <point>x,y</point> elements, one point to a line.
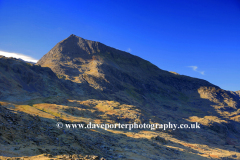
<point>86,82</point>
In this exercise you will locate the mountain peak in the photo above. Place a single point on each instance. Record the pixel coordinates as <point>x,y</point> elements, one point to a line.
<point>95,83</point>
<point>81,60</point>
<point>73,36</point>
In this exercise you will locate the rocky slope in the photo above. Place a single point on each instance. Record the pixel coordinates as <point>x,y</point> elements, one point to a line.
<point>21,81</point>
<point>109,69</point>
<point>91,82</point>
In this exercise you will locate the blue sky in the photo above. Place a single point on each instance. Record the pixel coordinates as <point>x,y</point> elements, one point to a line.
<point>198,38</point>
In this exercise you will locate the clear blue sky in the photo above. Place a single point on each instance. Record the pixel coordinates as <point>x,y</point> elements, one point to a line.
<point>172,34</point>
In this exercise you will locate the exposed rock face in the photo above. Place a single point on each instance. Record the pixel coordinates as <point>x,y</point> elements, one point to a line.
<point>88,81</point>
<point>111,70</point>
<point>119,74</point>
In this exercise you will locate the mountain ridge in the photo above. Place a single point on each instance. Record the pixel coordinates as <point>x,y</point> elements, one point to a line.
<point>82,81</point>
<point>93,51</point>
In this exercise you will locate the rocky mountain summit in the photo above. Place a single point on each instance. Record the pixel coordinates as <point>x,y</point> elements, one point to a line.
<point>109,69</point>
<point>83,81</point>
